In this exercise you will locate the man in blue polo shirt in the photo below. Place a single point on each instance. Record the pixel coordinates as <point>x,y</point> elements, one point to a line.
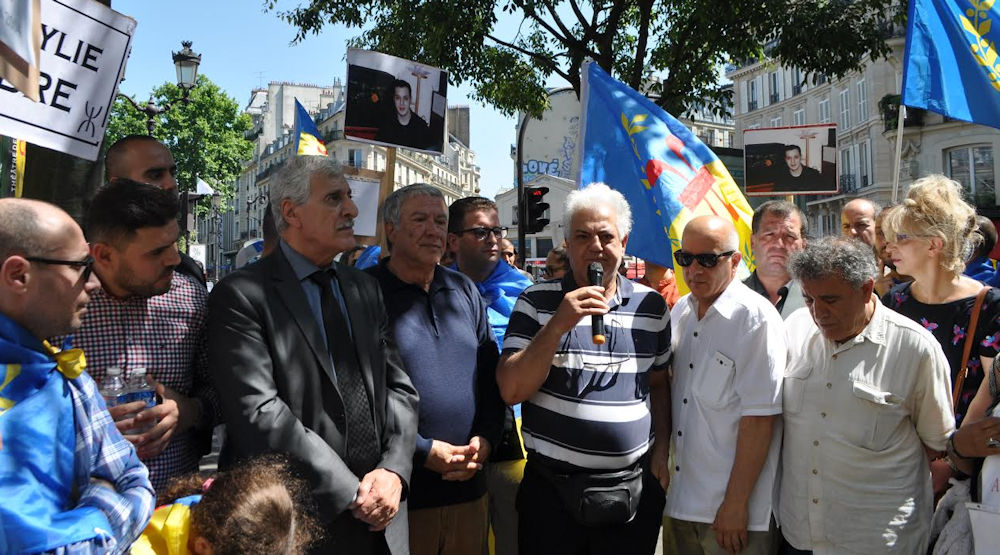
<point>440,324</point>
<point>590,409</point>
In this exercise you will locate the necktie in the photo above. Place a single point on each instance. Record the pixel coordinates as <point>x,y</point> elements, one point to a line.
<point>362,444</point>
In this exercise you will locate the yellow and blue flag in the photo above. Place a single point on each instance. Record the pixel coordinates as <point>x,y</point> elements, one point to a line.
<point>308,140</point>
<point>951,65</point>
<point>667,175</point>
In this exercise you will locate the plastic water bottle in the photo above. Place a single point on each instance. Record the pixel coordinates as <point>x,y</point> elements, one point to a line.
<point>113,387</point>
<point>138,389</point>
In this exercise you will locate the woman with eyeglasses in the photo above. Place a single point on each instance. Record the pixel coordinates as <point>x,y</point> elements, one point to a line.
<point>929,237</point>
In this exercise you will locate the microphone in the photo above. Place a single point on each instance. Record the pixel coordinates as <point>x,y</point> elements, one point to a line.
<point>595,274</point>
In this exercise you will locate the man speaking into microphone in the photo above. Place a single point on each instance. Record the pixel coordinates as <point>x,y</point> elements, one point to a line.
<point>596,471</point>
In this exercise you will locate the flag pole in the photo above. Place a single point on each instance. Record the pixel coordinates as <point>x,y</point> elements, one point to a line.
<point>900,119</point>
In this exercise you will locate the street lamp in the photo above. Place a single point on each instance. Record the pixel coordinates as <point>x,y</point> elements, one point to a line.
<point>186,62</point>
<point>252,203</point>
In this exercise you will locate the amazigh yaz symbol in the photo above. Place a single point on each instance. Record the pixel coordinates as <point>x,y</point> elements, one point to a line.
<point>88,123</point>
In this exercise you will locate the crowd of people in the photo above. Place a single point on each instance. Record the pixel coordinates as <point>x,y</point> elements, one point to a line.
<point>438,401</point>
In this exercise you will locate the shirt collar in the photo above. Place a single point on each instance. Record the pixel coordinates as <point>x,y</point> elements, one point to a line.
<point>725,304</point>
<point>302,267</point>
<point>393,283</point>
<point>875,331</point>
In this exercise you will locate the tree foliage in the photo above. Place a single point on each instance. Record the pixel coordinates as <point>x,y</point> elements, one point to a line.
<point>684,41</point>
<point>206,135</point>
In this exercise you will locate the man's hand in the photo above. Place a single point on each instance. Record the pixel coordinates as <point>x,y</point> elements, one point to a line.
<point>584,301</point>
<point>174,414</point>
<point>455,460</point>
<point>731,526</point>
<point>378,499</point>
<point>973,438</point>
<point>659,464</point>
<point>479,451</point>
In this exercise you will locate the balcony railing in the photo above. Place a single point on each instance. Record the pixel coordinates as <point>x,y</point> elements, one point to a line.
<point>775,97</point>
<point>848,184</point>
<point>796,89</point>
<point>751,105</point>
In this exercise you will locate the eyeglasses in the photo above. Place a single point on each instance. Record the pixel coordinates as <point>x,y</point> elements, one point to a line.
<point>481,233</point>
<point>706,259</point>
<point>87,263</point>
<point>508,253</point>
<point>551,270</point>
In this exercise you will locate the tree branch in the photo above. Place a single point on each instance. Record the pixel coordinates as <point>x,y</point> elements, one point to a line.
<point>645,14</point>
<point>546,60</point>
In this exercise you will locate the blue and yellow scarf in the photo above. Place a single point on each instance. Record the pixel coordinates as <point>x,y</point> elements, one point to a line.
<point>37,426</point>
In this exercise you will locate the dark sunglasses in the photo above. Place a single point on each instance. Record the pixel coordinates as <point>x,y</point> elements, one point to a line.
<point>482,232</point>
<point>706,260</point>
<point>551,270</point>
<point>87,263</point>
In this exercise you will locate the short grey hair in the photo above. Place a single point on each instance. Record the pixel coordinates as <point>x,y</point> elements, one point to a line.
<point>293,181</point>
<point>20,233</point>
<point>594,195</point>
<point>392,206</point>
<point>846,258</point>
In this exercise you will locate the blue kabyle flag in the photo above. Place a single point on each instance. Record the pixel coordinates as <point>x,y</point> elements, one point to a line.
<point>308,140</point>
<point>951,64</point>
<point>661,168</point>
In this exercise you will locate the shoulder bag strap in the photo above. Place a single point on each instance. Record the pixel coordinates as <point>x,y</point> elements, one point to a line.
<point>963,370</point>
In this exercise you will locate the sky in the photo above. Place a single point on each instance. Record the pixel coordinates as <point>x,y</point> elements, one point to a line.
<point>242,47</point>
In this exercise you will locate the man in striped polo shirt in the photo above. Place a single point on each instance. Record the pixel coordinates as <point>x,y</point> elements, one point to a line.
<point>595,480</point>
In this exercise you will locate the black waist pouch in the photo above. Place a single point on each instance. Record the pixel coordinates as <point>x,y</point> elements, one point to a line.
<point>598,498</point>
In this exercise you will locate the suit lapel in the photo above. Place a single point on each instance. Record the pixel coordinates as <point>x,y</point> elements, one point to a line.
<point>290,292</point>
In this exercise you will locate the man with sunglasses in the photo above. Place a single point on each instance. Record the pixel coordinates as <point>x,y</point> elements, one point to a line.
<point>69,480</point>
<point>146,315</point>
<point>474,236</point>
<point>595,477</point>
<point>779,229</point>
<point>726,401</point>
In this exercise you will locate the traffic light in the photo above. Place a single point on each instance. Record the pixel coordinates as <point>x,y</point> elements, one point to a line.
<point>535,222</point>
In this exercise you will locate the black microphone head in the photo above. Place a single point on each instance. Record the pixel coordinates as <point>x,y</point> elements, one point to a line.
<point>595,273</point>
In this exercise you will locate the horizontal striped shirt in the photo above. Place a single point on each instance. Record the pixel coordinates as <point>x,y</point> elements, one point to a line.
<point>592,411</point>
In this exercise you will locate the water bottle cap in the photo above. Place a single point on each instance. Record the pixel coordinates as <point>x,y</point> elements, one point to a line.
<point>114,371</point>
<point>139,370</point>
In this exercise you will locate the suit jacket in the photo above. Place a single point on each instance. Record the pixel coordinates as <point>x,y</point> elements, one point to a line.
<point>275,381</point>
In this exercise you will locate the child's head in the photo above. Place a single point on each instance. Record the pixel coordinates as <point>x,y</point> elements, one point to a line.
<point>256,508</point>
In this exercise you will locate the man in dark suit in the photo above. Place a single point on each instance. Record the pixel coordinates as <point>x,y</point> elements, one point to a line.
<point>301,352</point>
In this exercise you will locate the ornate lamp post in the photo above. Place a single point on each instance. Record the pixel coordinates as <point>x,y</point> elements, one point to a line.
<point>186,62</point>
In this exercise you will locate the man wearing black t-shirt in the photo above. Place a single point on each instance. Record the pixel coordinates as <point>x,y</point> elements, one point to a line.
<point>799,177</point>
<point>406,128</point>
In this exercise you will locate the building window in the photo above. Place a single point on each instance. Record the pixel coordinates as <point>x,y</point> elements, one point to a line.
<point>864,161</point>
<point>513,215</point>
<point>862,101</point>
<point>972,166</point>
<point>845,108</point>
<point>542,246</point>
<point>799,117</point>
<point>774,80</point>
<point>797,81</point>
<point>776,121</point>
<point>824,110</point>
<point>354,157</point>
<point>846,165</point>
<point>752,95</point>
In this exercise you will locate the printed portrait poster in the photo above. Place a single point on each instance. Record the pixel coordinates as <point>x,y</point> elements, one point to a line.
<point>84,47</point>
<point>395,102</point>
<point>799,160</point>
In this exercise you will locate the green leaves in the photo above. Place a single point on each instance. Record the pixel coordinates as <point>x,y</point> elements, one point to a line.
<point>205,135</point>
<point>541,42</point>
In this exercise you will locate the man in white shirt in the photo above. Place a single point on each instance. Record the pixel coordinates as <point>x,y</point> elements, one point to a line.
<point>865,394</point>
<point>726,401</point>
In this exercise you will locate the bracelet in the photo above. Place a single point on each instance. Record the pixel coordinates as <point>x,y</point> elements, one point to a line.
<point>958,474</point>
<point>951,447</point>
